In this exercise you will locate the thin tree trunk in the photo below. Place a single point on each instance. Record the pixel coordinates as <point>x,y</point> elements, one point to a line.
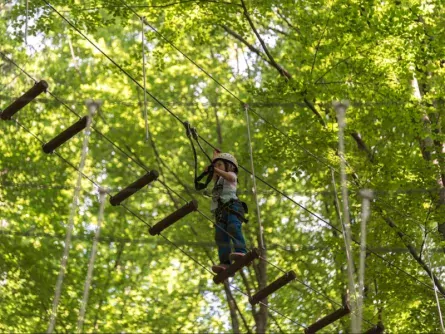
<point>232,308</point>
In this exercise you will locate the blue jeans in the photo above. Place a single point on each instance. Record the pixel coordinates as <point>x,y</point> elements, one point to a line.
<point>228,228</point>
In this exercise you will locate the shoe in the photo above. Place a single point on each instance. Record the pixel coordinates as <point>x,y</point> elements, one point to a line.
<point>235,256</point>
<point>219,268</point>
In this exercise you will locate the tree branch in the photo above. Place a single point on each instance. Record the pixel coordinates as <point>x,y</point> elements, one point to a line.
<point>362,145</point>
<point>319,41</point>
<point>288,23</point>
<point>413,252</point>
<point>315,111</point>
<point>272,61</point>
<point>246,43</point>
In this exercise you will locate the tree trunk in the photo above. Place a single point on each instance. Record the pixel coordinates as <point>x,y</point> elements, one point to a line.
<point>261,273</point>
<point>232,308</point>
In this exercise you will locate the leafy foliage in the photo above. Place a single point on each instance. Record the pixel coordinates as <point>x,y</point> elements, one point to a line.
<point>313,52</point>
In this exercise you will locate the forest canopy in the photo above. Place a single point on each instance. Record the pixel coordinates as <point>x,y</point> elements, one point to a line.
<point>151,65</point>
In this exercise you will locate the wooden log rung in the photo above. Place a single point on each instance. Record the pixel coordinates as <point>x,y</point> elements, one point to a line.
<point>237,265</point>
<point>271,288</point>
<point>330,318</point>
<point>174,217</point>
<point>65,135</point>
<point>134,187</point>
<point>376,329</point>
<point>23,100</point>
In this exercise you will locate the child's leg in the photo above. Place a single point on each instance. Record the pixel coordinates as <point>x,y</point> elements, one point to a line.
<point>223,242</point>
<point>234,229</point>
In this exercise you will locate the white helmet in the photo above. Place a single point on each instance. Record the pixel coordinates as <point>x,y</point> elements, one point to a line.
<point>226,157</point>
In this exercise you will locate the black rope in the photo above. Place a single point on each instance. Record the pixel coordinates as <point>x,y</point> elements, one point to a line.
<point>192,134</point>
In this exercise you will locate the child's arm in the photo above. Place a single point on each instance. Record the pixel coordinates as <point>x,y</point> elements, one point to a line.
<point>226,175</point>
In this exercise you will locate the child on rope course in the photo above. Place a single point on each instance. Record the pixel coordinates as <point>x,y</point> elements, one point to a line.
<point>228,210</point>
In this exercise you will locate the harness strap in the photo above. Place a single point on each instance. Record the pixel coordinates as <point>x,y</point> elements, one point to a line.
<point>226,207</point>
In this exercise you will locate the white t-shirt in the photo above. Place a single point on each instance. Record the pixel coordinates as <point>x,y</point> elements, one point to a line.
<point>224,190</point>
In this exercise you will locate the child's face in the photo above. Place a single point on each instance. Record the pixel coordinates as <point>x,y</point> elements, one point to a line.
<point>220,165</point>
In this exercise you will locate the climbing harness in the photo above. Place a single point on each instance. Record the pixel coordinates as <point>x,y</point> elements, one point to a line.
<point>222,207</point>
<point>193,134</point>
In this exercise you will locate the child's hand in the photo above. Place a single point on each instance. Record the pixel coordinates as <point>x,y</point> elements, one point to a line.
<point>216,152</point>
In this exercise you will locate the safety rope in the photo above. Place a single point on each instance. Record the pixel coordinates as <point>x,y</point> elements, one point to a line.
<point>86,289</point>
<point>255,195</point>
<point>26,22</point>
<point>145,80</point>
<point>193,135</point>
<point>340,109</point>
<point>367,195</point>
<point>439,311</point>
<point>70,226</point>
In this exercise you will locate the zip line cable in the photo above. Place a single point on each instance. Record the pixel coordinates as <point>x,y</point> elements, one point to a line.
<point>126,73</point>
<point>41,186</point>
<point>129,103</point>
<point>203,244</point>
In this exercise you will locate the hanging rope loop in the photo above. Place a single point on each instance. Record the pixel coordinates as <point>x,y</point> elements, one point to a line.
<point>193,134</point>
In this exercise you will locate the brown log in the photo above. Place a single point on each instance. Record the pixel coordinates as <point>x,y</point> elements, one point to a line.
<point>134,187</point>
<point>237,265</point>
<point>376,329</point>
<point>330,318</point>
<point>66,135</point>
<point>23,100</point>
<point>271,288</point>
<point>174,217</point>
